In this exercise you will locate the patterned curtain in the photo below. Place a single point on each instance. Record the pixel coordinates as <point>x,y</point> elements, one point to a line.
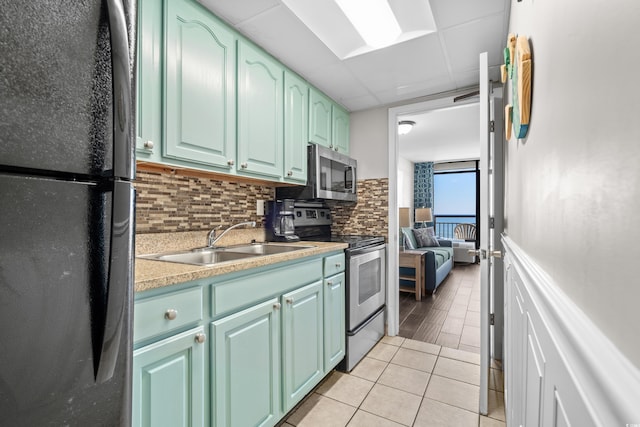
<point>423,187</point>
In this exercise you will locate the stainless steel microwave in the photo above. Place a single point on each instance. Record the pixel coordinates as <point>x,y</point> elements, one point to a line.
<point>330,175</point>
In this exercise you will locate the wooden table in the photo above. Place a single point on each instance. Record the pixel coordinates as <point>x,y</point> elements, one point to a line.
<point>415,260</point>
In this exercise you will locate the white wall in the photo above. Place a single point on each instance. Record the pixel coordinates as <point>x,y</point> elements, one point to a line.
<point>405,183</point>
<point>573,185</point>
<point>369,145</point>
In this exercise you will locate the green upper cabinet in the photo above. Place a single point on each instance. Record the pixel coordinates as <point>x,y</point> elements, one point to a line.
<point>340,129</point>
<point>302,342</point>
<point>334,321</point>
<point>169,382</point>
<point>149,81</point>
<point>200,87</point>
<point>246,367</point>
<point>319,118</point>
<point>296,123</point>
<point>328,122</point>
<point>260,112</point>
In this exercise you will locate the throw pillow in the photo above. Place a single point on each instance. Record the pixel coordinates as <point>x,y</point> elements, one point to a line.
<point>408,238</point>
<point>426,237</point>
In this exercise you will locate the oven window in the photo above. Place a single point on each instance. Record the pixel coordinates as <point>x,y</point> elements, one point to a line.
<point>335,176</point>
<point>369,279</point>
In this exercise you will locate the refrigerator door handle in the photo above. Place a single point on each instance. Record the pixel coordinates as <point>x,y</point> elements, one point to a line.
<point>123,158</point>
<point>120,280</point>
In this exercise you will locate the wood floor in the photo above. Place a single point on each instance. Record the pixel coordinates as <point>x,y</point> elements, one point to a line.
<point>451,316</point>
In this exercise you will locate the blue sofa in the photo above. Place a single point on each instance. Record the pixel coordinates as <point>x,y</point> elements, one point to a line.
<point>438,260</point>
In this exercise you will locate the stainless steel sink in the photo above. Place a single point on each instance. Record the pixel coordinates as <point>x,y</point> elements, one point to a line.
<point>211,256</point>
<point>203,257</point>
<point>264,248</point>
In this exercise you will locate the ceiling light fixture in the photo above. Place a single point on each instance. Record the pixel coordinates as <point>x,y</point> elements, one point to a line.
<point>405,126</point>
<point>373,19</point>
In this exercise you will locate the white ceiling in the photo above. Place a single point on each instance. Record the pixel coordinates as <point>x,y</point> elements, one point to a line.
<point>437,62</point>
<point>442,135</point>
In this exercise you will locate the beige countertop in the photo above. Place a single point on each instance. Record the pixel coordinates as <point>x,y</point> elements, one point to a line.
<point>150,274</point>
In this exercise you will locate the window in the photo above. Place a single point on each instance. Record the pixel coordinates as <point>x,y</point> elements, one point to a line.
<point>454,200</point>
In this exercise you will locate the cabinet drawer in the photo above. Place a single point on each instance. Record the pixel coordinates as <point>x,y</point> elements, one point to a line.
<point>333,264</point>
<point>232,295</point>
<point>165,313</point>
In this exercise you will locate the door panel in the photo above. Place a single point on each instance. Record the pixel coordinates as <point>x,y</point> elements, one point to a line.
<point>54,253</point>
<point>168,382</point>
<point>57,101</point>
<point>200,87</point>
<point>246,367</point>
<point>302,342</point>
<point>485,232</point>
<point>296,119</point>
<point>334,321</point>
<point>260,112</point>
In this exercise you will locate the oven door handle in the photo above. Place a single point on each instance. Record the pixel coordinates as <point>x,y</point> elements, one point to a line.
<point>366,250</point>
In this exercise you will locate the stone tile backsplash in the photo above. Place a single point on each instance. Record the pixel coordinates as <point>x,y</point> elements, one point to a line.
<point>369,216</point>
<point>168,202</point>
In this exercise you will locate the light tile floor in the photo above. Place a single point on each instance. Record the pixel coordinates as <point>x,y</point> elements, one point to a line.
<point>404,382</point>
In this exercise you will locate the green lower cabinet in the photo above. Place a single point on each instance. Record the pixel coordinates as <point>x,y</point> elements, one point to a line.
<point>169,381</point>
<point>302,342</point>
<point>246,367</point>
<point>334,321</point>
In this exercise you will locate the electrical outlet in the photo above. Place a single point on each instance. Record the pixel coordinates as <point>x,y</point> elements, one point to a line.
<point>260,207</point>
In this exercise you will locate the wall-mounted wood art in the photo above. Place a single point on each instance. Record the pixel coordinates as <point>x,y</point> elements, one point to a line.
<point>517,68</point>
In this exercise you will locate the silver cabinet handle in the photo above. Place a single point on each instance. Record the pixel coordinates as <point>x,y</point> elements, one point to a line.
<point>171,314</point>
<point>289,173</point>
<point>200,338</point>
<point>338,265</point>
<point>289,300</point>
<point>148,144</point>
<point>276,306</point>
<point>230,162</point>
<point>244,165</point>
<point>330,283</point>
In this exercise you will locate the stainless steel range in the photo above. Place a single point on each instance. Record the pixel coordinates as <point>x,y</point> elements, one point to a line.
<point>365,279</point>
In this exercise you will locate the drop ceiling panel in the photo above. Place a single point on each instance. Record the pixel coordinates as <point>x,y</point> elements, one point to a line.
<point>338,82</point>
<point>416,90</point>
<point>416,60</point>
<point>448,13</point>
<point>281,33</point>
<point>360,102</point>
<point>235,12</point>
<point>465,42</point>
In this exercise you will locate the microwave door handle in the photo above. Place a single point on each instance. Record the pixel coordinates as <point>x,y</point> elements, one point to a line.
<point>353,178</point>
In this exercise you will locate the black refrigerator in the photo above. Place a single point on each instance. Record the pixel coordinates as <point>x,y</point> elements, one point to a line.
<point>66,211</point>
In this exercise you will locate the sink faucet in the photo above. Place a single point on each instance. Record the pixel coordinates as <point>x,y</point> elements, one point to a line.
<point>212,239</point>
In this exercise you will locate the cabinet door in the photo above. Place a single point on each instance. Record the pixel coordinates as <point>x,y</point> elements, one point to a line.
<point>340,130</point>
<point>246,367</point>
<point>169,381</point>
<point>302,342</point>
<point>334,323</point>
<point>296,124</point>
<point>319,118</point>
<point>200,87</point>
<point>260,112</point>
<point>149,86</point>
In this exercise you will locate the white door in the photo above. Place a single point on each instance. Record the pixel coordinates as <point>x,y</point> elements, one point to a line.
<point>490,228</point>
